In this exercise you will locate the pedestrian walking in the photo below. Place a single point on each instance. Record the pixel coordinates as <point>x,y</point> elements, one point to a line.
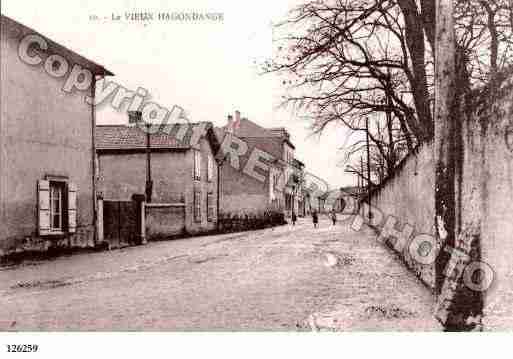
<point>333,216</point>
<point>315,219</point>
<point>294,218</point>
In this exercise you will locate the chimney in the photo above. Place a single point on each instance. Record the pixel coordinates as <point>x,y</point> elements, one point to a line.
<point>229,126</point>
<point>237,116</point>
<point>134,117</point>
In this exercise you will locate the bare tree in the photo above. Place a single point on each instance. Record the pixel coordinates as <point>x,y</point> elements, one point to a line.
<point>345,56</point>
<point>387,147</point>
<point>345,60</point>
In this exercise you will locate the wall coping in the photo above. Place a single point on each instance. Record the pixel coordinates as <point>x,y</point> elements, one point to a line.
<point>163,205</point>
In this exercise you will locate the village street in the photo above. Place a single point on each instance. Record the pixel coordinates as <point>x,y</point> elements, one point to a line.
<point>287,278</point>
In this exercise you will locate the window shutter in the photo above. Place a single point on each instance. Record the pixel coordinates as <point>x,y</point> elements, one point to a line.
<point>72,207</point>
<point>210,167</point>
<point>198,165</point>
<point>197,206</point>
<point>43,207</point>
<point>210,207</point>
<point>194,165</point>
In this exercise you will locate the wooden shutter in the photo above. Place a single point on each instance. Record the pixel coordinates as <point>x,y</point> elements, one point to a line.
<point>210,168</point>
<point>194,164</point>
<point>198,165</point>
<point>197,206</point>
<point>210,207</point>
<point>72,207</point>
<point>43,207</point>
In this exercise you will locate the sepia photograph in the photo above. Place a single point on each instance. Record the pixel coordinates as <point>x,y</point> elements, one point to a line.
<point>296,166</point>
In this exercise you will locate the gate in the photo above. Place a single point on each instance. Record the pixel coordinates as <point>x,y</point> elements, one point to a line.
<point>121,223</point>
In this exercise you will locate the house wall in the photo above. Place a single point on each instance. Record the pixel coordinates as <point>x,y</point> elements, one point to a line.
<point>288,171</point>
<point>124,174</point>
<point>204,187</point>
<point>242,193</point>
<point>44,131</point>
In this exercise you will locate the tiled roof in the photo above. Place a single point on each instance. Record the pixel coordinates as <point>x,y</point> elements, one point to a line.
<point>249,129</point>
<point>132,137</point>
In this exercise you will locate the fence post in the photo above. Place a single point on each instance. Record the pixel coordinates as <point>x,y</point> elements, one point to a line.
<point>140,201</point>
<point>100,221</point>
<point>143,223</point>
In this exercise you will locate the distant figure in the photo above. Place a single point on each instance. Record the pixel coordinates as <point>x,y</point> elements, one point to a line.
<point>294,218</point>
<point>315,218</point>
<point>333,216</point>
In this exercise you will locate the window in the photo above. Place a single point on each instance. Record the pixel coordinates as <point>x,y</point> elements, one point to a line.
<point>210,207</point>
<point>57,207</point>
<point>197,206</point>
<point>197,165</point>
<point>210,168</point>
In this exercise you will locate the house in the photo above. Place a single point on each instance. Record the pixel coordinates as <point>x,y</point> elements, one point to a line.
<point>47,169</point>
<point>299,195</point>
<point>273,184</point>
<point>182,167</point>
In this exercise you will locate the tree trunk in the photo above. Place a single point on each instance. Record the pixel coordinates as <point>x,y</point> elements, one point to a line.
<point>451,84</point>
<point>445,118</point>
<point>428,10</point>
<point>416,46</point>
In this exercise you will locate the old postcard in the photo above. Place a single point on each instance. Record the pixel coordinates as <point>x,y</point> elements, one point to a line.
<point>292,166</point>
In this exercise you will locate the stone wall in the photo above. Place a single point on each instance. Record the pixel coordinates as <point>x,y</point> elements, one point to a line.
<point>405,203</point>
<point>163,222</point>
<point>485,205</point>
<point>484,215</point>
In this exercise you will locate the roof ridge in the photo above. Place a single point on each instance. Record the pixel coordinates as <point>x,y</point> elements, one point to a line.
<point>153,124</point>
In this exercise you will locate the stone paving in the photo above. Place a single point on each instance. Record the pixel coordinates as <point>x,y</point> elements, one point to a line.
<point>286,278</point>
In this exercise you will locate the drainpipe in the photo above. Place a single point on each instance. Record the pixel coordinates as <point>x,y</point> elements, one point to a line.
<point>95,199</point>
<point>218,192</point>
<point>219,165</point>
<point>149,182</point>
<point>135,117</point>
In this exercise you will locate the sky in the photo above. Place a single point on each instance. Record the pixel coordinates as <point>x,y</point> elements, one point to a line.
<point>206,67</point>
